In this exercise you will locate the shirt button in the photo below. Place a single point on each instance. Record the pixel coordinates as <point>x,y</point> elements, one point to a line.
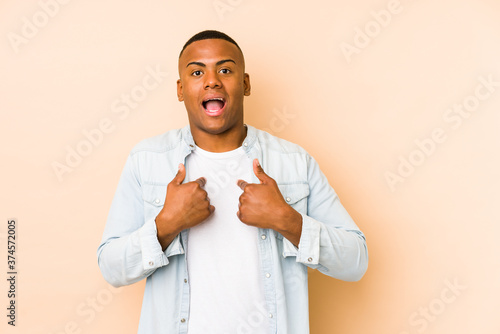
<point>263,237</point>
<point>151,263</point>
<point>191,145</point>
<point>288,199</point>
<point>310,259</point>
<point>185,280</point>
<point>157,201</point>
<point>270,315</point>
<point>183,320</point>
<point>268,275</point>
<point>245,144</point>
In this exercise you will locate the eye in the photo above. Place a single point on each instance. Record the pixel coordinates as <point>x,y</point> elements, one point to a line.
<point>225,71</point>
<point>196,73</point>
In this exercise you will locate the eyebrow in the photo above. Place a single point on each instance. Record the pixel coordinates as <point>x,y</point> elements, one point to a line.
<point>220,62</point>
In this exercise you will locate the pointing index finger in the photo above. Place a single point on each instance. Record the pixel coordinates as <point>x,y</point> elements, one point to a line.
<point>201,181</point>
<point>242,184</point>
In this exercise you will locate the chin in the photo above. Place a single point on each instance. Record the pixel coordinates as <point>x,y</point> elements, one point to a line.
<point>215,129</point>
<point>216,126</point>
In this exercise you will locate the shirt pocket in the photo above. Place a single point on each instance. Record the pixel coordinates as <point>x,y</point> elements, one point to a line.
<point>154,199</point>
<point>294,194</point>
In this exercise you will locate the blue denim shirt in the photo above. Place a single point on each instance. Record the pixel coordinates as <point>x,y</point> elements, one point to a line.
<point>129,252</point>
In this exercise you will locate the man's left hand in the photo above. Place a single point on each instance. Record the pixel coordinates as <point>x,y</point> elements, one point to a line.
<point>262,205</point>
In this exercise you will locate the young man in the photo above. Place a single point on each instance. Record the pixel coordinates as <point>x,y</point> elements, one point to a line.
<point>221,218</point>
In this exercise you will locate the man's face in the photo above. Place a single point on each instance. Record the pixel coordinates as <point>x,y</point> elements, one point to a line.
<point>212,85</point>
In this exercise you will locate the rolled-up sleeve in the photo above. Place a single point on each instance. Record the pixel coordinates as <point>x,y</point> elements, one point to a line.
<point>330,240</point>
<point>130,250</point>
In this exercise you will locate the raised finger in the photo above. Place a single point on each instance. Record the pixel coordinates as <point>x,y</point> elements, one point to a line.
<point>201,181</point>
<point>242,184</point>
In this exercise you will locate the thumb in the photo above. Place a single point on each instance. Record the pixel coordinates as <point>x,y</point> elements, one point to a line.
<point>259,172</point>
<point>181,174</point>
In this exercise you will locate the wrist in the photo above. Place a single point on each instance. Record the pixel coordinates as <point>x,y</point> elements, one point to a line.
<point>291,226</point>
<point>291,220</point>
<point>166,230</point>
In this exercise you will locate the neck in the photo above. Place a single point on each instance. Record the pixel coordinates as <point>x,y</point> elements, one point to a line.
<point>222,142</point>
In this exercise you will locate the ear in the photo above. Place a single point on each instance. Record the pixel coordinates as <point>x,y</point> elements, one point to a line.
<point>246,84</point>
<point>180,96</point>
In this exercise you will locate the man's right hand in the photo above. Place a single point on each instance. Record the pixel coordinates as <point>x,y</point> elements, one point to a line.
<point>186,205</point>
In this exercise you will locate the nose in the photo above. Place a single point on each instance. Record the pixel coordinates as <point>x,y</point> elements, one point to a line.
<point>212,80</point>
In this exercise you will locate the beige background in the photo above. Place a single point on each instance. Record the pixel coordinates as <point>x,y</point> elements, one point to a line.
<point>357,113</point>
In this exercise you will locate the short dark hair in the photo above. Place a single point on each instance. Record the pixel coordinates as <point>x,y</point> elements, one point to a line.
<point>209,34</point>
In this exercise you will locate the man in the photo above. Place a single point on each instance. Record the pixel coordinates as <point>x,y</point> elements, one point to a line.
<point>221,218</point>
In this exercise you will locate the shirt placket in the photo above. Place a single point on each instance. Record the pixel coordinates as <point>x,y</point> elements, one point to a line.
<point>265,251</point>
<point>185,295</point>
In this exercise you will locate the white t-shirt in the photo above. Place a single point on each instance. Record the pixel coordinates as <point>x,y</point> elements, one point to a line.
<point>222,256</point>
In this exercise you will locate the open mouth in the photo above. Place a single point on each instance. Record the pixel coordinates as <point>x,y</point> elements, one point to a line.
<point>214,106</point>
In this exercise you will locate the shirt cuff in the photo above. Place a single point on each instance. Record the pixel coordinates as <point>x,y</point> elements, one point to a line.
<point>152,255</point>
<point>308,250</point>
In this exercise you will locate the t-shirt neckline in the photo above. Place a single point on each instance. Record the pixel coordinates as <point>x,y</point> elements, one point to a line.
<point>219,155</point>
